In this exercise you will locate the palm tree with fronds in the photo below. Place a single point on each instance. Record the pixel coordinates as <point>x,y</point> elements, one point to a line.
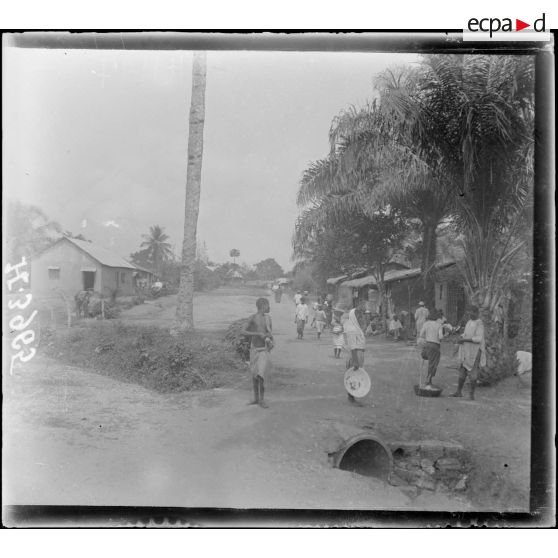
<point>156,247</point>
<point>452,138</point>
<point>477,112</point>
<point>492,100</point>
<point>375,162</point>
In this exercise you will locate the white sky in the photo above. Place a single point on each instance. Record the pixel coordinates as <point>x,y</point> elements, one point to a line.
<point>100,137</point>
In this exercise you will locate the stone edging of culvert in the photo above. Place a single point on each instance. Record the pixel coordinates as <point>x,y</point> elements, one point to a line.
<point>421,465</point>
<point>430,465</point>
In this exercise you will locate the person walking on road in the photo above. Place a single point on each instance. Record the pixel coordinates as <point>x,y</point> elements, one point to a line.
<point>297,297</point>
<point>328,309</point>
<point>472,353</point>
<point>278,292</point>
<point>301,317</point>
<point>354,341</point>
<point>259,329</point>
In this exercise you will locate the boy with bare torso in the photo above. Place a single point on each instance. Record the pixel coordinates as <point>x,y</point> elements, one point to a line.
<point>259,330</point>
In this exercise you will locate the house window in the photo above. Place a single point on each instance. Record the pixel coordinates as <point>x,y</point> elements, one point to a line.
<point>122,277</point>
<point>54,273</point>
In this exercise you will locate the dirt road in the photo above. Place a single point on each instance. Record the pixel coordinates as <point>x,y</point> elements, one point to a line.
<point>77,437</point>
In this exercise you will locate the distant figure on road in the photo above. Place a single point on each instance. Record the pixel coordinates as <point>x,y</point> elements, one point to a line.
<point>278,292</point>
<point>472,353</point>
<point>259,329</point>
<point>431,335</point>
<point>328,309</point>
<point>421,315</point>
<point>297,298</point>
<point>320,320</point>
<point>301,317</point>
<point>337,332</point>
<point>355,341</point>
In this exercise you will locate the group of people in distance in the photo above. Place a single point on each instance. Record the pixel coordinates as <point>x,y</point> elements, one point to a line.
<point>349,334</point>
<point>323,313</point>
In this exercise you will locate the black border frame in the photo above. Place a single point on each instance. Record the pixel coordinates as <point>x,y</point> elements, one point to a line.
<point>543,454</point>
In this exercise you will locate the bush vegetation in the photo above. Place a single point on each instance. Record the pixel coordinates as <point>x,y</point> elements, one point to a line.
<point>147,355</point>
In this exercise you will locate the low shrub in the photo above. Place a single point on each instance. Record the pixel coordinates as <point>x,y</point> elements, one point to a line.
<point>112,310</point>
<point>148,356</point>
<point>127,302</point>
<point>239,342</point>
<point>503,364</point>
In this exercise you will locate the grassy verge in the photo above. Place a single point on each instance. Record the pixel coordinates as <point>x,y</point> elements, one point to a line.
<point>148,356</point>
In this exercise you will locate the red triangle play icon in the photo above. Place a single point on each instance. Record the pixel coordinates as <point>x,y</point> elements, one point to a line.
<point>519,25</point>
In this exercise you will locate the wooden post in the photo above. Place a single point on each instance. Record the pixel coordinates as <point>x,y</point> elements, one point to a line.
<point>102,308</point>
<point>67,303</point>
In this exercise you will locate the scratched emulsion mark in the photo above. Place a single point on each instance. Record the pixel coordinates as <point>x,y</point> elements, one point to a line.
<point>17,282</point>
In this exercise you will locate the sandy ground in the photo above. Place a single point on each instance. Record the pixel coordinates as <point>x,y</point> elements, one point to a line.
<point>75,437</point>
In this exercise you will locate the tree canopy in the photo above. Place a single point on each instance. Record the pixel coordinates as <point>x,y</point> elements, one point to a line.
<point>268,269</point>
<point>447,144</point>
<point>447,141</point>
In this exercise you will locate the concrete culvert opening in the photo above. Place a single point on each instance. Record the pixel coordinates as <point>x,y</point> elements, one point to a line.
<point>367,457</point>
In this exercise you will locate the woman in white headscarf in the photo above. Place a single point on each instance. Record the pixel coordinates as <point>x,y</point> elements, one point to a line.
<point>353,331</point>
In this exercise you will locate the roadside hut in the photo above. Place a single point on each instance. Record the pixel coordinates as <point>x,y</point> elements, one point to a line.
<point>332,285</point>
<point>404,288</point>
<point>71,265</point>
<point>234,277</point>
<point>363,286</point>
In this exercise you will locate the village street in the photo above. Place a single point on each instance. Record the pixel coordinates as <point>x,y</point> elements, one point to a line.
<point>75,437</point>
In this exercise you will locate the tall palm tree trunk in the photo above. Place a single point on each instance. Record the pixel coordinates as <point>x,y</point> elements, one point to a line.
<point>185,302</point>
<point>428,262</point>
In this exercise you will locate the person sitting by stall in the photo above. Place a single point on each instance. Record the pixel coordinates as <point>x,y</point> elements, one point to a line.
<point>395,327</point>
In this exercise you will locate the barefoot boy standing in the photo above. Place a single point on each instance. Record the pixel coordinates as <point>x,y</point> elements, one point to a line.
<point>259,330</point>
